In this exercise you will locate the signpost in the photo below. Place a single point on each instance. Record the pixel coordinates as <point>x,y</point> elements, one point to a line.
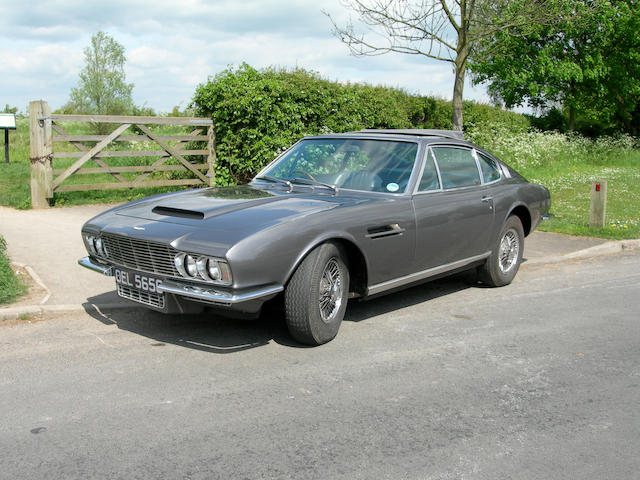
<point>7,122</point>
<point>598,203</point>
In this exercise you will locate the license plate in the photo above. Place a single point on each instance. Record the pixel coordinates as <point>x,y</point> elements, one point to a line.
<point>138,281</point>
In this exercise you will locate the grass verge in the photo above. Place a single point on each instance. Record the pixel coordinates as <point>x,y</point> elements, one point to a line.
<point>567,165</point>
<point>10,286</point>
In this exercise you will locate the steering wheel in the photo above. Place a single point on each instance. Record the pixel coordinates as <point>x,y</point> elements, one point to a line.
<point>299,170</point>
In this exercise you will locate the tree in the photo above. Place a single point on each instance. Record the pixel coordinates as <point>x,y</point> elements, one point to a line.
<point>588,62</point>
<point>443,30</point>
<point>102,88</point>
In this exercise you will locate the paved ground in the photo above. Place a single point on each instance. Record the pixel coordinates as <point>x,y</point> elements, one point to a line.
<point>536,380</point>
<point>49,241</point>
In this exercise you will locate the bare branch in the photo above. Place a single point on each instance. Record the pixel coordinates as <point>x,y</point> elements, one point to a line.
<point>398,26</point>
<point>450,16</point>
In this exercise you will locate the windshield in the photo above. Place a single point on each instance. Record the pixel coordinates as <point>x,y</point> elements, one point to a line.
<point>369,165</point>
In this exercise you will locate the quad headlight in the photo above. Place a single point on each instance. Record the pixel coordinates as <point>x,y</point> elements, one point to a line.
<point>209,269</point>
<point>95,245</point>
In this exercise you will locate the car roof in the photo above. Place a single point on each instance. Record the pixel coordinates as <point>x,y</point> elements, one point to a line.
<point>417,132</point>
<point>422,135</point>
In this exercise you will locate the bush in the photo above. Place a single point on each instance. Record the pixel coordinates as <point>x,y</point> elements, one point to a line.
<point>10,286</point>
<point>525,150</point>
<point>258,114</point>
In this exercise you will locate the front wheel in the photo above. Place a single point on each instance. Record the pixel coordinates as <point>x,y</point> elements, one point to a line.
<point>315,298</point>
<point>503,264</point>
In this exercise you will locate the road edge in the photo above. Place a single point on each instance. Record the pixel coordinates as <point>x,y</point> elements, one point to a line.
<point>11,313</point>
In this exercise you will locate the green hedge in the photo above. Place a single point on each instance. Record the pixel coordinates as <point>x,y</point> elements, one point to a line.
<point>257,114</point>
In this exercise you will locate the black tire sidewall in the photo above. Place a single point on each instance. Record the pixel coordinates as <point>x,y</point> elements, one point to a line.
<point>492,274</point>
<point>313,329</point>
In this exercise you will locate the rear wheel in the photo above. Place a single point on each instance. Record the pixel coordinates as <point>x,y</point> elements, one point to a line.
<point>503,264</point>
<point>316,296</point>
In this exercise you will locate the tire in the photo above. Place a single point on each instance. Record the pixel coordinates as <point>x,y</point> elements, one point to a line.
<point>503,264</point>
<point>314,306</point>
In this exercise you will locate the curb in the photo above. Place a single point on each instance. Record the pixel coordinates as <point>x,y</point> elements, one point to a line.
<point>36,278</point>
<point>607,248</point>
<point>11,313</point>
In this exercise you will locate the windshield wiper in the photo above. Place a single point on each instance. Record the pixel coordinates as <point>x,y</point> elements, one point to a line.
<point>276,180</point>
<point>310,181</point>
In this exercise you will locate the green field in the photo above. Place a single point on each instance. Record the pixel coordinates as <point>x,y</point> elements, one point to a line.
<point>565,164</point>
<point>14,178</point>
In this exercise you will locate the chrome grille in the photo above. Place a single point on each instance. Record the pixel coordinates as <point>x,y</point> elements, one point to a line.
<point>151,299</point>
<point>141,255</point>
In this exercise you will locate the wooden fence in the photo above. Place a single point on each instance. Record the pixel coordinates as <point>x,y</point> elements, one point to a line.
<point>45,132</point>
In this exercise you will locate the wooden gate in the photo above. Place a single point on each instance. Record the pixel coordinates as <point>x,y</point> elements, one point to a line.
<point>176,154</point>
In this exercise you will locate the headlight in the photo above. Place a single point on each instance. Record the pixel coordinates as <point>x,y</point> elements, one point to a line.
<point>95,245</point>
<point>214,270</point>
<point>209,269</point>
<point>219,271</point>
<point>178,261</point>
<point>100,247</point>
<point>191,266</point>
<point>89,241</point>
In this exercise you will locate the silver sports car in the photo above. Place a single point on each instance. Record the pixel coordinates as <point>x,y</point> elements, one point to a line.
<point>334,217</point>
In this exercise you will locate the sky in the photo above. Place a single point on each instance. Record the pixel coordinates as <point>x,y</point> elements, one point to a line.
<point>173,46</point>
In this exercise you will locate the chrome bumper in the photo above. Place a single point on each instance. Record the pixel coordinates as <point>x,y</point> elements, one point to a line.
<point>216,296</point>
<point>204,293</point>
<point>86,262</point>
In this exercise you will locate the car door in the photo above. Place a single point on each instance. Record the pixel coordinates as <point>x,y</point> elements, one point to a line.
<point>453,208</point>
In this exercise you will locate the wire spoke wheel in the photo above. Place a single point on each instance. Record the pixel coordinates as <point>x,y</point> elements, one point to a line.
<point>509,251</point>
<point>316,296</point>
<point>330,291</point>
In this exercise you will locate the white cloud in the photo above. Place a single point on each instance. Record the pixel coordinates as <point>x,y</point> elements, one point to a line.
<point>173,46</point>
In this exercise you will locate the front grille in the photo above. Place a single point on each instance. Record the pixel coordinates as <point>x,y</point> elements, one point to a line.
<point>141,255</point>
<point>151,299</point>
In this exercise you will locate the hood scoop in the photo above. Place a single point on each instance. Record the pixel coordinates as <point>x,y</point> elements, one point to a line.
<point>178,212</point>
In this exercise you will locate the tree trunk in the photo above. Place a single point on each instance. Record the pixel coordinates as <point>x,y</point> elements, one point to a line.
<point>458,87</point>
<point>462,53</point>
<point>572,119</point>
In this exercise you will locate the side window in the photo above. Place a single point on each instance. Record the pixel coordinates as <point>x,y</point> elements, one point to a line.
<point>457,166</point>
<point>429,180</point>
<point>490,171</point>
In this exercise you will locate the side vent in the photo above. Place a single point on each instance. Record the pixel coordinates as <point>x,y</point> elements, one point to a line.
<point>384,231</point>
<point>178,212</point>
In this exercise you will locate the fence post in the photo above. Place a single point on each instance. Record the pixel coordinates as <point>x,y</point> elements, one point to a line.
<point>598,203</point>
<point>211,157</point>
<point>40,147</point>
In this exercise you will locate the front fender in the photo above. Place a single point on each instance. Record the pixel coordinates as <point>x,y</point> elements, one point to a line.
<point>328,236</point>
<point>272,255</point>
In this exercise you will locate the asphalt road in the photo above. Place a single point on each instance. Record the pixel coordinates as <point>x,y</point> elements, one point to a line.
<point>537,380</point>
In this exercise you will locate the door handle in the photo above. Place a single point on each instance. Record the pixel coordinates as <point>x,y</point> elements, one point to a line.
<point>488,200</point>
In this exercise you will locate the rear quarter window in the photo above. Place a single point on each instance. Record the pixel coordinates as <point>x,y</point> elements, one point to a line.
<point>490,171</point>
<point>457,166</point>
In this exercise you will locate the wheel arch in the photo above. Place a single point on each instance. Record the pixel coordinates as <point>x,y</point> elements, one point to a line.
<point>355,259</point>
<point>522,212</point>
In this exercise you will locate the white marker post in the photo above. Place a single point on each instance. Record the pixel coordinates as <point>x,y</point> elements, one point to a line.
<point>598,203</point>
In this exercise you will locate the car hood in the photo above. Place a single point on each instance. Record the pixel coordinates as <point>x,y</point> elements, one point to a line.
<point>214,207</point>
<point>214,219</point>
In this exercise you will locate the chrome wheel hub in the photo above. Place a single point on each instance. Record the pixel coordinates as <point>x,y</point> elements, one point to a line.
<point>331,290</point>
<point>509,251</point>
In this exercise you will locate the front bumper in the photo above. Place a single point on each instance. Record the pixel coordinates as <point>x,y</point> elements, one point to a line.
<point>211,295</point>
